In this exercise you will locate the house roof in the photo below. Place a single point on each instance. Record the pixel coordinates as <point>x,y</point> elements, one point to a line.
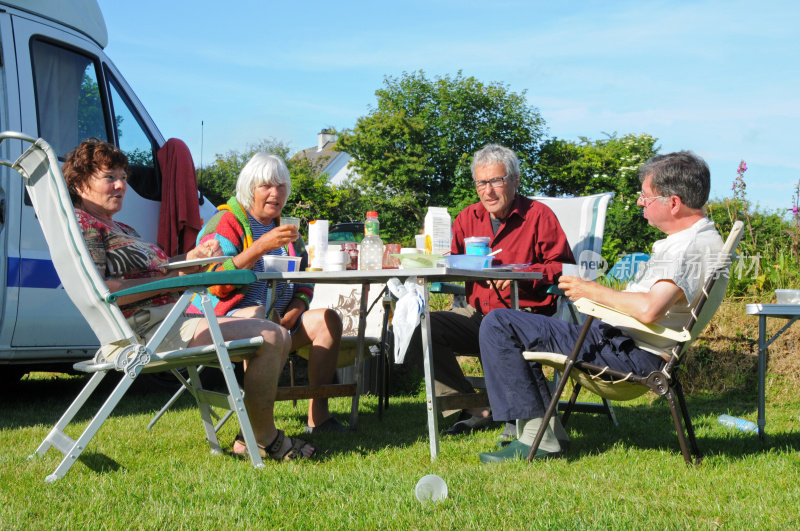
<point>320,159</point>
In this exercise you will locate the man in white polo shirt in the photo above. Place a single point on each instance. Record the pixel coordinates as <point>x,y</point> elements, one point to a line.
<point>675,188</point>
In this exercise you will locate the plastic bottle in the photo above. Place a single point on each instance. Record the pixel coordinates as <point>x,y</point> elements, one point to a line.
<point>370,256</point>
<point>740,424</point>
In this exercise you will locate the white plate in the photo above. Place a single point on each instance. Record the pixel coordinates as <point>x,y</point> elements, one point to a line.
<point>196,262</point>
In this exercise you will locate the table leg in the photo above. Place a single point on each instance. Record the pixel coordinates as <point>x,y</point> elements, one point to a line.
<point>762,372</point>
<point>430,389</point>
<point>362,327</point>
<point>514,295</point>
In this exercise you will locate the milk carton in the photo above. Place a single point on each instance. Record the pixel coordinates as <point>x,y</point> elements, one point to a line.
<point>317,243</point>
<point>437,231</point>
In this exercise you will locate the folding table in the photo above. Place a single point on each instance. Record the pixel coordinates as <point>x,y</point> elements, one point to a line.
<point>424,275</point>
<point>780,311</point>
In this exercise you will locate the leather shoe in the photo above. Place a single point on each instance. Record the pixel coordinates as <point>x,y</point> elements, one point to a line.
<point>514,450</point>
<point>469,424</point>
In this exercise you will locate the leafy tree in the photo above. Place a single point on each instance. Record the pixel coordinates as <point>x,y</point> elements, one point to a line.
<point>312,197</point>
<point>218,180</point>
<point>90,110</point>
<point>610,164</point>
<point>414,148</point>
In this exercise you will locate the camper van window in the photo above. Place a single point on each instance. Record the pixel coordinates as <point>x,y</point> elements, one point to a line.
<point>69,107</point>
<point>143,175</point>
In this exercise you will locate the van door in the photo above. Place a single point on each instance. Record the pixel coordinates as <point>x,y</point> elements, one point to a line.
<point>69,92</point>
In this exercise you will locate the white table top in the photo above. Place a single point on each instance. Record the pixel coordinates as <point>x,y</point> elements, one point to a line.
<point>439,274</point>
<point>773,310</point>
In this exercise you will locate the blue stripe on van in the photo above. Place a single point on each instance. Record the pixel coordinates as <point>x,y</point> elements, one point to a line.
<point>31,273</point>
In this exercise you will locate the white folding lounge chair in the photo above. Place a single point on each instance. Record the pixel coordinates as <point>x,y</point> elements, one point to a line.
<point>39,167</point>
<point>617,385</point>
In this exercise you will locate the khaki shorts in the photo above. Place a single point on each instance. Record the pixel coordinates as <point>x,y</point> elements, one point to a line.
<point>145,323</point>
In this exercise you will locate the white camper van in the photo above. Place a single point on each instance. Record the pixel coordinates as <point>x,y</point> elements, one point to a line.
<point>56,83</point>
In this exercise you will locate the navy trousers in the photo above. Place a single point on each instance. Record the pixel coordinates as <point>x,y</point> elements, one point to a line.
<point>517,388</point>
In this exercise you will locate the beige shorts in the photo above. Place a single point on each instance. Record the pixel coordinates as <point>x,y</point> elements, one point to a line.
<point>145,323</point>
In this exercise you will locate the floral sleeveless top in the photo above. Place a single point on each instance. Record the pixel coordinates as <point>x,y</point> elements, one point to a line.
<point>120,253</point>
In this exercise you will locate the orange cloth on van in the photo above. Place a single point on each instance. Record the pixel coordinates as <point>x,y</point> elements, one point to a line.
<point>179,221</point>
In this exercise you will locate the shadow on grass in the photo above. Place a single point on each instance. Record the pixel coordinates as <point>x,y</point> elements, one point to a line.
<point>42,400</point>
<point>647,425</point>
<point>650,426</point>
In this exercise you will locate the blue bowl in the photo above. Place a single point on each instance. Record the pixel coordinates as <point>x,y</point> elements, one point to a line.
<point>468,261</point>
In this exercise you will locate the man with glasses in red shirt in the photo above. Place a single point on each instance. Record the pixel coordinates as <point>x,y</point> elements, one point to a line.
<point>525,232</point>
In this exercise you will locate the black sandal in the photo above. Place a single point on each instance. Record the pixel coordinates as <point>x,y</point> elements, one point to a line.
<point>273,451</point>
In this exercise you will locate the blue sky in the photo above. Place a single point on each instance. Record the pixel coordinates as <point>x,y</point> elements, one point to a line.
<point>718,77</point>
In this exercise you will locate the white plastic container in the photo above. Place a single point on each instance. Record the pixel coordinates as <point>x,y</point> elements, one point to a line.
<point>282,264</point>
<point>336,259</point>
<point>787,296</point>
<point>438,230</point>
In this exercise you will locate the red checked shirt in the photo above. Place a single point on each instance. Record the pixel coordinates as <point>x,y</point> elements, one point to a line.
<point>530,234</point>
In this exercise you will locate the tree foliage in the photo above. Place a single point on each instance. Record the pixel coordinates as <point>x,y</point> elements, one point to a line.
<point>414,148</point>
<point>610,164</point>
<point>311,198</point>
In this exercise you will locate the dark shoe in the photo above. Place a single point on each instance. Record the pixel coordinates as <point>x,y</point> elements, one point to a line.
<point>332,424</point>
<point>514,450</point>
<point>469,424</point>
<point>274,449</point>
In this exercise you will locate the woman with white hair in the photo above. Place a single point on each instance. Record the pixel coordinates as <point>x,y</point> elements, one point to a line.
<point>248,227</point>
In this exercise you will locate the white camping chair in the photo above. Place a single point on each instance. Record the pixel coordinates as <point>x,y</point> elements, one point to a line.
<point>39,167</point>
<point>617,385</point>
<point>345,299</point>
<point>583,220</point>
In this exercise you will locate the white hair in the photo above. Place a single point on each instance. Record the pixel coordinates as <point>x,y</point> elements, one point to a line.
<point>263,168</point>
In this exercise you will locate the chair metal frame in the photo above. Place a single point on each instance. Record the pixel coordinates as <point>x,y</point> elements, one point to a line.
<point>40,170</point>
<point>625,386</point>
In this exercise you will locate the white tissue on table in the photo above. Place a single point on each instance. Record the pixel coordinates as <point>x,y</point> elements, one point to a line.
<point>407,311</point>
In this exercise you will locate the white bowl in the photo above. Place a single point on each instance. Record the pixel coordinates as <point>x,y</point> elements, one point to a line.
<point>281,264</point>
<point>788,296</point>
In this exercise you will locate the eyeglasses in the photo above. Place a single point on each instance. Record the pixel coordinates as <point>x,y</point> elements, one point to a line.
<point>652,198</point>
<point>112,178</point>
<point>497,182</point>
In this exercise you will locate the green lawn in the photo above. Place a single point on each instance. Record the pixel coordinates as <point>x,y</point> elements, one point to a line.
<point>631,476</point>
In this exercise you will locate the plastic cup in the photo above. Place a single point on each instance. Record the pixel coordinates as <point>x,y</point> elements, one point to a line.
<point>419,240</point>
<point>430,488</point>
<point>571,270</point>
<point>290,220</point>
<point>477,245</point>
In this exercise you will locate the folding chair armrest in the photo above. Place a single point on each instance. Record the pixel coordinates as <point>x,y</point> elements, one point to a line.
<point>553,289</point>
<point>624,320</point>
<point>237,277</point>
